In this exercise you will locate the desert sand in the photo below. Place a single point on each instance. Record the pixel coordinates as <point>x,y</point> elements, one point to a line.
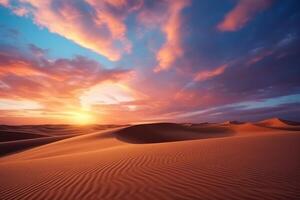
<point>230,160</point>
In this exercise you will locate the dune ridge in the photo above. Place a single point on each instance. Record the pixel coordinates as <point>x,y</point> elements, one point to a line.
<point>280,124</point>
<point>11,147</point>
<point>41,135</point>
<point>6,136</point>
<point>169,132</point>
<point>200,161</point>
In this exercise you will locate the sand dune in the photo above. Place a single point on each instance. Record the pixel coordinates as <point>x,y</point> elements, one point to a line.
<point>168,132</point>
<point>41,135</point>
<point>280,124</point>
<point>19,145</point>
<point>232,122</point>
<point>274,122</point>
<point>8,135</point>
<point>99,140</point>
<point>159,161</point>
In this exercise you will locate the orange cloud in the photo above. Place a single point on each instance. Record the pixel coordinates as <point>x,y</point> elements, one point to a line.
<point>243,12</point>
<point>104,21</point>
<point>172,48</point>
<point>205,75</point>
<point>41,88</point>
<point>19,68</point>
<point>9,104</point>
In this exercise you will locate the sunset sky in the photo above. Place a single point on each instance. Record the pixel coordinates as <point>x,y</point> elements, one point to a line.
<point>133,61</point>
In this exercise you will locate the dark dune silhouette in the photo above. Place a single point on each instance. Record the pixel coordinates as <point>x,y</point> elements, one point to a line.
<point>169,132</point>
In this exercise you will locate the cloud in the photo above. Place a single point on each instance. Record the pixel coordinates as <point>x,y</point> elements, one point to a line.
<point>288,39</point>
<point>167,16</point>
<point>4,3</point>
<point>55,91</point>
<point>108,93</point>
<point>54,84</point>
<point>104,21</point>
<point>172,48</point>
<point>38,52</point>
<point>260,56</point>
<point>287,106</point>
<point>8,104</point>
<point>20,11</point>
<point>208,74</point>
<point>154,15</point>
<point>242,13</point>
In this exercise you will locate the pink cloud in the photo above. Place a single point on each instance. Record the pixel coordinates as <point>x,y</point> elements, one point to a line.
<point>242,13</point>
<point>20,11</point>
<point>172,48</point>
<point>104,21</point>
<point>154,16</point>
<point>208,74</point>
<point>260,56</point>
<point>4,2</point>
<point>54,82</point>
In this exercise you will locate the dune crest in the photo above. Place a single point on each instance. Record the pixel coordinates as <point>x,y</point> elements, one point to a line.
<point>9,135</point>
<point>273,122</point>
<point>279,123</point>
<point>170,132</point>
<point>232,122</point>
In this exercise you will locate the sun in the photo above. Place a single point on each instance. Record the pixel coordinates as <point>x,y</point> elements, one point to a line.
<point>81,118</point>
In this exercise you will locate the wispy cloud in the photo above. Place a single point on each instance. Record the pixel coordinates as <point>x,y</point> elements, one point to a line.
<point>104,21</point>
<point>172,48</point>
<point>207,74</point>
<point>9,104</point>
<point>242,13</point>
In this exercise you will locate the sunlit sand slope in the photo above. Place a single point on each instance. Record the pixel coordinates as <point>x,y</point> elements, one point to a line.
<point>19,138</point>
<point>280,124</point>
<point>246,161</point>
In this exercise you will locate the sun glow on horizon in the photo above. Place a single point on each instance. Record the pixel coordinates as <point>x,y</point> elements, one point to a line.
<point>80,117</point>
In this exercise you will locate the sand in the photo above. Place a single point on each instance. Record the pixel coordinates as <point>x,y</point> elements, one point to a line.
<point>157,161</point>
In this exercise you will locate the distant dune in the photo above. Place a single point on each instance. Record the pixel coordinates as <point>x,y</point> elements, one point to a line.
<point>280,124</point>
<point>232,122</point>
<point>19,145</point>
<point>230,160</point>
<point>8,135</point>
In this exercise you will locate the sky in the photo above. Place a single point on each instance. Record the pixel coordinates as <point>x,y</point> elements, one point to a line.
<point>140,61</point>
